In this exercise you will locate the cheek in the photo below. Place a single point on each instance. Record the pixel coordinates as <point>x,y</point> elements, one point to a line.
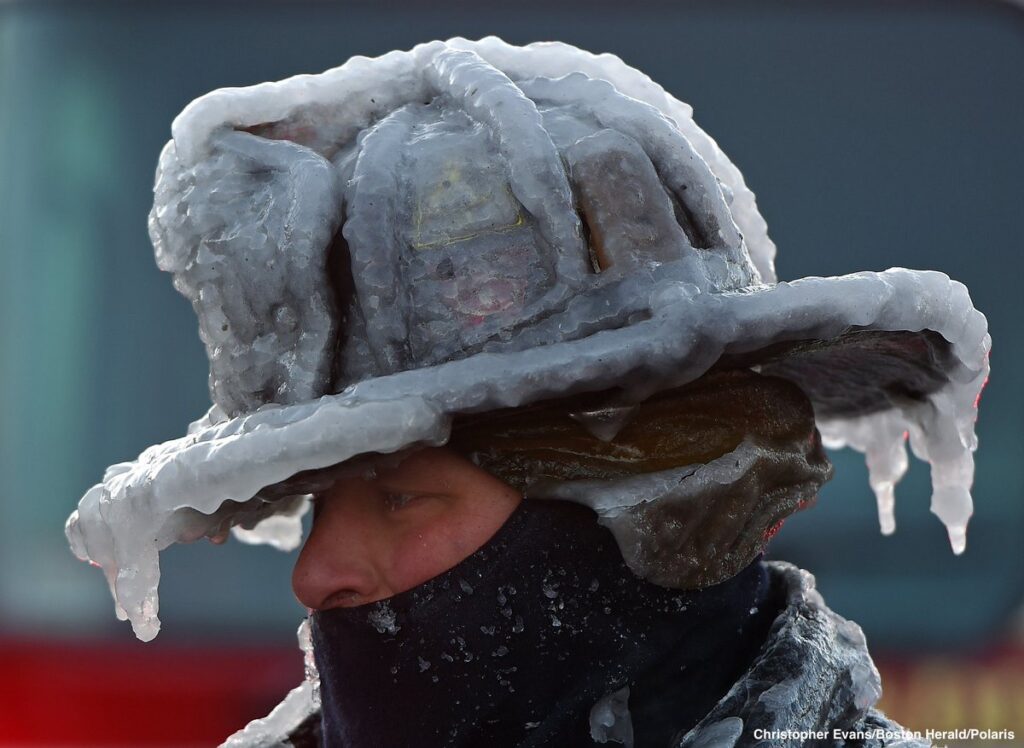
<point>428,549</point>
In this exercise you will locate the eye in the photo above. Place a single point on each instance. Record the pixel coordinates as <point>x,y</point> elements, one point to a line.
<point>397,501</point>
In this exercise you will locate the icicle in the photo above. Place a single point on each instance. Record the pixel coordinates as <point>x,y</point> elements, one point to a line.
<point>941,432</point>
<point>282,531</point>
<point>881,438</point>
<point>937,435</point>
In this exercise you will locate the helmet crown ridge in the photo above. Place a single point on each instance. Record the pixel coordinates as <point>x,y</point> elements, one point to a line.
<point>536,176</point>
<point>483,213</point>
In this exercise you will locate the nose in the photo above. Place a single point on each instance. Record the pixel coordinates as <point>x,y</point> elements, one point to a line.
<point>336,565</point>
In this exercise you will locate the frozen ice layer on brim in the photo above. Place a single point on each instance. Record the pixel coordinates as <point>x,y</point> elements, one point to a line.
<point>166,497</point>
<point>196,486</point>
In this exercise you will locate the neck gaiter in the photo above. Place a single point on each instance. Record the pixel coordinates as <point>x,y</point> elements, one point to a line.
<point>516,644</point>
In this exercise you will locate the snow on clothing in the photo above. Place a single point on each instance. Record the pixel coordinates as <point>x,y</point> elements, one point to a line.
<point>520,644</point>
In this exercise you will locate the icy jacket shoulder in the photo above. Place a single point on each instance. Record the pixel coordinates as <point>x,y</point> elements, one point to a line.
<point>812,684</point>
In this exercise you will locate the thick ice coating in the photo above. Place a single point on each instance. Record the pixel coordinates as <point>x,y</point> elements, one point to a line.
<point>260,203</point>
<point>470,226</point>
<point>814,674</point>
<point>300,705</point>
<point>610,721</point>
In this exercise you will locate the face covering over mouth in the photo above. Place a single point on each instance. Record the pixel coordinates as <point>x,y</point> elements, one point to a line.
<point>516,645</point>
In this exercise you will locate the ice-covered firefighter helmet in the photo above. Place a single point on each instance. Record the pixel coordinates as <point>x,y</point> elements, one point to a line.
<point>470,226</point>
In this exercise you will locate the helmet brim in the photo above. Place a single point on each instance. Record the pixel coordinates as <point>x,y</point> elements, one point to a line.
<point>866,348</point>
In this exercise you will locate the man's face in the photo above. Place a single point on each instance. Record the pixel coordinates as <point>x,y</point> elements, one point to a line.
<point>379,535</point>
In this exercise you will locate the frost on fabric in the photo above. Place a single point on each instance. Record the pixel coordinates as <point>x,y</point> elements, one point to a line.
<point>470,175</point>
<point>382,618</point>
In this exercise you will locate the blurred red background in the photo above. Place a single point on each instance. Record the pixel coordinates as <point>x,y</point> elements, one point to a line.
<point>136,694</point>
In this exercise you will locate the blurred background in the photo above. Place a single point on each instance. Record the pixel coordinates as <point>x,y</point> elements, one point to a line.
<point>874,134</point>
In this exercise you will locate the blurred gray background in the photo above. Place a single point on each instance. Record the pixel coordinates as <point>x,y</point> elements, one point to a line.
<point>874,134</point>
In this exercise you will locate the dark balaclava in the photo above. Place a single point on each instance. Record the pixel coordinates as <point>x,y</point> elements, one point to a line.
<point>516,645</point>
